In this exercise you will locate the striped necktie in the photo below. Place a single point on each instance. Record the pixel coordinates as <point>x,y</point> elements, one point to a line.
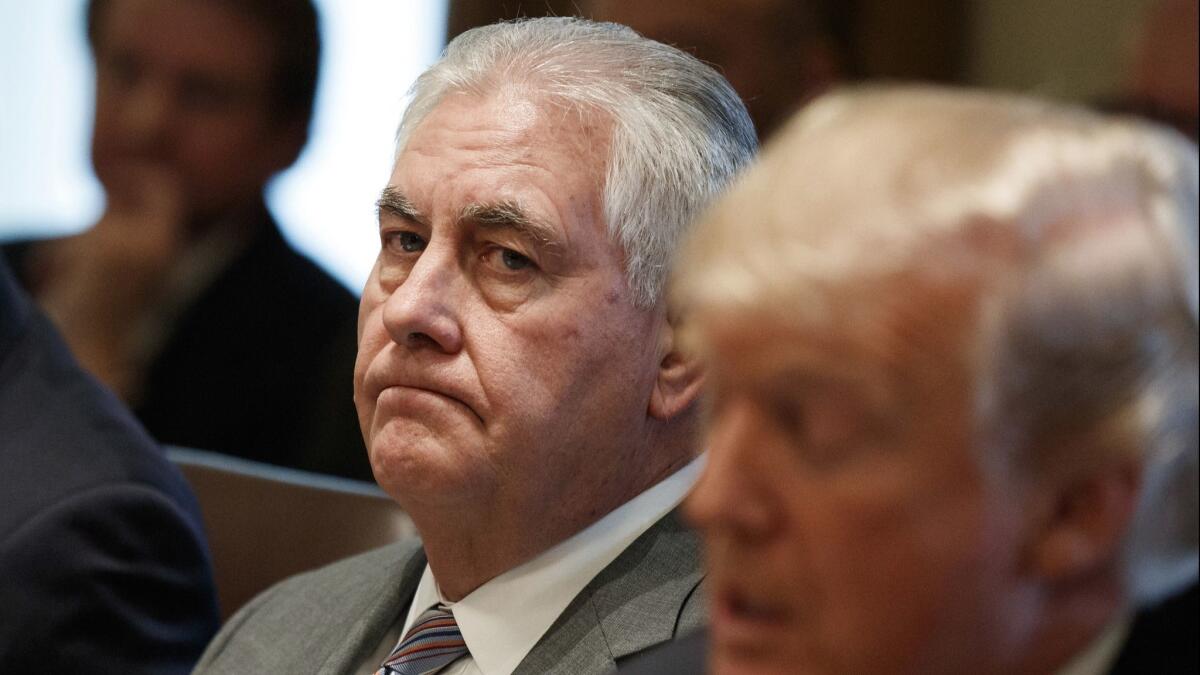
<point>432,643</point>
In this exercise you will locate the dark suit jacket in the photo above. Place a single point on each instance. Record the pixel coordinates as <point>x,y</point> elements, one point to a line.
<point>103,565</point>
<point>260,365</point>
<point>1162,641</point>
<point>329,620</point>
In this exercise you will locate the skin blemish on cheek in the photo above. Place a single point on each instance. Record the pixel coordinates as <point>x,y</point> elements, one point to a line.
<point>612,296</point>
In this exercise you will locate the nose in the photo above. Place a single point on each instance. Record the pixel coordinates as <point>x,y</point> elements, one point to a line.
<point>421,312</point>
<point>734,496</point>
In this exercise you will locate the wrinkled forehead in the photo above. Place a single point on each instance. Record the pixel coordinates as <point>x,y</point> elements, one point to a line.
<point>507,143</point>
<point>522,118</point>
<point>883,332</point>
<point>500,153</point>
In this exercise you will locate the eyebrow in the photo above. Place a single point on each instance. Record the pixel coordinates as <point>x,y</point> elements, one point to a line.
<point>509,215</point>
<point>503,214</point>
<point>393,201</point>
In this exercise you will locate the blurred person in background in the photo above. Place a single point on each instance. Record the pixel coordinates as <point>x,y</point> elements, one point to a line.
<point>518,380</point>
<point>103,563</point>
<point>953,348</point>
<point>184,298</point>
<point>777,54</point>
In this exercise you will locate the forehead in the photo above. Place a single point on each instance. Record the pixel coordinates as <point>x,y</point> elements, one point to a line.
<point>505,146</point>
<point>754,350</point>
<point>510,124</point>
<point>192,35</point>
<point>898,340</point>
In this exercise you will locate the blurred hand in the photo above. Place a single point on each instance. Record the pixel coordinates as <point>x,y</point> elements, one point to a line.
<point>99,285</point>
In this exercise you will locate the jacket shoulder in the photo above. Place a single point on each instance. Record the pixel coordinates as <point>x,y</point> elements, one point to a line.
<point>330,616</point>
<point>645,597</point>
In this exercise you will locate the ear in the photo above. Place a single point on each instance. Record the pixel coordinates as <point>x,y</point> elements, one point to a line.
<point>680,375</point>
<point>1086,519</point>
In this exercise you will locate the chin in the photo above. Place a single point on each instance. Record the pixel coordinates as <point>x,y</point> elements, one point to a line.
<point>421,471</point>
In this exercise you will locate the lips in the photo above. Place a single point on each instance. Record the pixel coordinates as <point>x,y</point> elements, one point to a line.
<point>411,394</point>
<point>382,377</point>
<point>745,621</point>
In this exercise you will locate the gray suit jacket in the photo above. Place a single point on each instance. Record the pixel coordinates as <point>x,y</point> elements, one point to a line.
<point>327,621</point>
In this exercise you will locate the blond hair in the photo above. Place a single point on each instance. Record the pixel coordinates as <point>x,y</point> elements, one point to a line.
<point>1074,233</point>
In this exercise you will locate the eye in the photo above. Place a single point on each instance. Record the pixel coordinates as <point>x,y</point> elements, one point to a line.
<point>826,428</point>
<point>405,241</point>
<point>506,262</point>
<point>514,261</point>
<point>788,416</point>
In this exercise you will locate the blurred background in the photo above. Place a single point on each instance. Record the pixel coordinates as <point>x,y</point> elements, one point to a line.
<point>1078,50</point>
<point>325,203</point>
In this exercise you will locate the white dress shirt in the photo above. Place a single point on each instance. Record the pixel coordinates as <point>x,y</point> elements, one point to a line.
<point>504,618</point>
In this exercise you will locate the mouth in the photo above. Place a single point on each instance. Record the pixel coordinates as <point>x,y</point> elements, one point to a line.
<point>741,619</point>
<point>406,395</point>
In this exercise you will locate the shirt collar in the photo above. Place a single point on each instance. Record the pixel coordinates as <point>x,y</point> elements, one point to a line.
<point>1102,653</point>
<point>503,619</point>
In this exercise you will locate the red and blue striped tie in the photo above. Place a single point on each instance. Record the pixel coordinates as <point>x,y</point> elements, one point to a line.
<point>431,644</point>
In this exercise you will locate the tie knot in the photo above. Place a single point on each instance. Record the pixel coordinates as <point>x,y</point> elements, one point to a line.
<point>432,643</point>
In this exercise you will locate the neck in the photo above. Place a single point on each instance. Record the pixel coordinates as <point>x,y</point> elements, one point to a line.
<point>1074,619</point>
<point>472,544</point>
<point>481,551</point>
<point>239,217</point>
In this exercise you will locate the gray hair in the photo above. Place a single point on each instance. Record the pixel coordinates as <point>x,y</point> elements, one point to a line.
<point>680,132</point>
<point>1076,235</point>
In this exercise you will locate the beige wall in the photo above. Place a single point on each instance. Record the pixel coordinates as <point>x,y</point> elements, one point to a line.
<point>1071,49</point>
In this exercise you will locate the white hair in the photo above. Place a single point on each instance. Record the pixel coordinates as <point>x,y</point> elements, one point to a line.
<point>680,133</point>
<point>1075,232</point>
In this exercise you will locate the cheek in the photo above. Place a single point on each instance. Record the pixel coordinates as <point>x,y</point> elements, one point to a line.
<point>372,338</point>
<point>526,371</point>
<point>372,297</point>
<point>566,346</point>
<point>106,141</point>
<point>560,375</point>
<point>917,556</point>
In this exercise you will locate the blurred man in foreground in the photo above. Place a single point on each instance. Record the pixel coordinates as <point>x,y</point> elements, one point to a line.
<point>519,381</point>
<point>954,354</point>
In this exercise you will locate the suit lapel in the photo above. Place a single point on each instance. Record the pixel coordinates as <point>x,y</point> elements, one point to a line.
<point>634,603</point>
<point>378,601</point>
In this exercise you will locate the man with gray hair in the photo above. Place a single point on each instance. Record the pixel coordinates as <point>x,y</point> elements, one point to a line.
<point>954,349</point>
<point>519,381</point>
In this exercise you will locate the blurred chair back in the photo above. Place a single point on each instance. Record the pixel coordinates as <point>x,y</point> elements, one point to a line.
<point>265,523</point>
